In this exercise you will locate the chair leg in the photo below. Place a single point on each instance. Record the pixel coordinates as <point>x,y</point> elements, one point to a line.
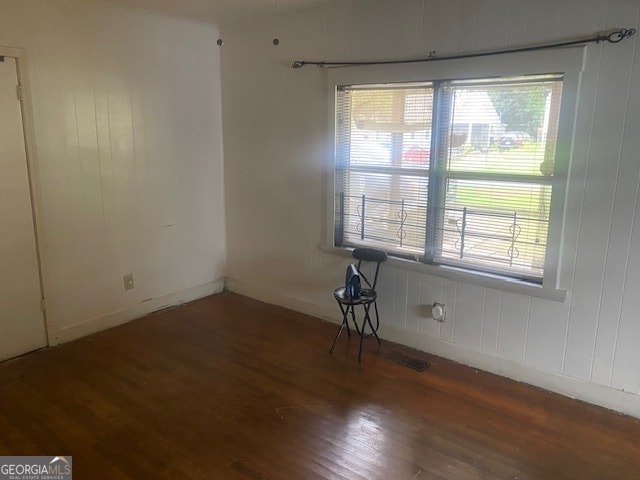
<point>365,320</point>
<point>345,319</point>
<point>359,329</point>
<point>335,340</point>
<point>355,321</point>
<point>375,330</point>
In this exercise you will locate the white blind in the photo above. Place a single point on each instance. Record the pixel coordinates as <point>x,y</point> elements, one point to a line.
<point>383,149</point>
<point>485,148</point>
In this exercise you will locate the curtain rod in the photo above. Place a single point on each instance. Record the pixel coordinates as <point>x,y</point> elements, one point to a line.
<point>612,37</point>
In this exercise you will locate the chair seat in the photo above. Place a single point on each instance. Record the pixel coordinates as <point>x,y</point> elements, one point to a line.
<point>366,296</point>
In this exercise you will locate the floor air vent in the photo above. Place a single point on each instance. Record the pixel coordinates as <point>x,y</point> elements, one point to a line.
<point>402,359</point>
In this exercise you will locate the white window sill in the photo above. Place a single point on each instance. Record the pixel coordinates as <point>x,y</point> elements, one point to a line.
<point>466,276</point>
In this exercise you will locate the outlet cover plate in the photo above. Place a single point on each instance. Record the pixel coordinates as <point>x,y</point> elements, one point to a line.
<point>128,281</point>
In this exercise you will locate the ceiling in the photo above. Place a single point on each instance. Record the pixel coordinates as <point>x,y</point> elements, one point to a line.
<point>221,12</point>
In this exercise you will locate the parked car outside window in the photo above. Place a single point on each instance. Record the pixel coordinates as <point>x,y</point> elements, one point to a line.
<point>512,139</point>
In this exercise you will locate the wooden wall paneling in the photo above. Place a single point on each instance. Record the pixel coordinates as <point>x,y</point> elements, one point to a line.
<point>546,336</point>
<point>491,320</point>
<point>625,365</point>
<point>579,18</point>
<point>620,161</point>
<point>446,16</point>
<point>492,16</point>
<point>543,21</point>
<point>401,297</point>
<point>346,33</point>
<point>414,31</point>
<point>468,20</point>
<point>428,35</point>
<point>387,297</point>
<point>626,375</point>
<point>414,312</point>
<point>469,308</point>
<point>389,27</point>
<point>600,187</point>
<point>514,316</point>
<point>516,26</point>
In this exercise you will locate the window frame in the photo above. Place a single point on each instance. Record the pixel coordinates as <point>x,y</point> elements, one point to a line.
<point>565,61</point>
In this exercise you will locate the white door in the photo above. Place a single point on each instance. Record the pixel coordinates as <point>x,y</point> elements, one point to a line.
<point>22,326</point>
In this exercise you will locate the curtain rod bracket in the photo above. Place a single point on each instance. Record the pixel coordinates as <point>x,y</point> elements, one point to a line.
<point>615,36</point>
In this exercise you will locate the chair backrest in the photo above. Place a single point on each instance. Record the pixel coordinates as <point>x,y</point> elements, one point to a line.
<point>370,255</point>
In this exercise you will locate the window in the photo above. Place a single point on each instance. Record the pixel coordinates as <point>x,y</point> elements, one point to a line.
<point>456,172</point>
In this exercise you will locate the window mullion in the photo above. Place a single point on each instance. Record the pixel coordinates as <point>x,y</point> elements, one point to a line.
<point>441,120</point>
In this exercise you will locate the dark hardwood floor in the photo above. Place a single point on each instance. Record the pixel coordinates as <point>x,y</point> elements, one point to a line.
<point>230,388</point>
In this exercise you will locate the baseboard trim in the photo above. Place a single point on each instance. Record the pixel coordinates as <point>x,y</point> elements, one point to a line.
<point>617,400</point>
<point>72,332</point>
<point>275,298</point>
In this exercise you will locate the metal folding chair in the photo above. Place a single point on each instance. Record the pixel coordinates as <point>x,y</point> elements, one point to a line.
<point>366,298</point>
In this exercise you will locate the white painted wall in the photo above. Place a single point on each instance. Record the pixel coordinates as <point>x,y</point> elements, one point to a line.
<point>128,169</point>
<point>276,168</point>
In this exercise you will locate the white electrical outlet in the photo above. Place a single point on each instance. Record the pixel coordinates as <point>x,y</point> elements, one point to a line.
<point>128,281</point>
<point>438,312</point>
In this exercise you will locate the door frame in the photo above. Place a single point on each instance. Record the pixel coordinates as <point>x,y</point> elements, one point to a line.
<point>33,174</point>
